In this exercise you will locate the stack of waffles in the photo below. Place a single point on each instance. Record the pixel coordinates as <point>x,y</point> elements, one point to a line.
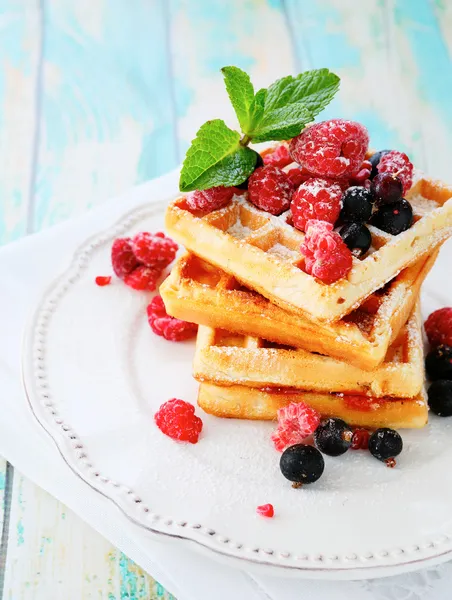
<point>271,334</point>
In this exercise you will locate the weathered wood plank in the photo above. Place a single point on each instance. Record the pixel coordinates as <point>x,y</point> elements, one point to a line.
<point>6,485</point>
<point>106,117</point>
<point>53,554</point>
<point>2,489</point>
<point>377,52</point>
<point>443,13</point>
<point>18,31</point>
<point>417,26</point>
<point>204,39</point>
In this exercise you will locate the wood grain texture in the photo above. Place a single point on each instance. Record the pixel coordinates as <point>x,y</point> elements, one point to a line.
<point>395,71</point>
<point>18,26</point>
<point>106,122</point>
<point>202,41</point>
<point>53,554</point>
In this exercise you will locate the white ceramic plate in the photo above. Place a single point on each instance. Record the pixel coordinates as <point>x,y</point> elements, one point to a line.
<point>95,374</point>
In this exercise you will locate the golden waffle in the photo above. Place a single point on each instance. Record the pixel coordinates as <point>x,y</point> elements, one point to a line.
<point>263,251</point>
<point>242,402</point>
<point>200,293</point>
<point>226,358</point>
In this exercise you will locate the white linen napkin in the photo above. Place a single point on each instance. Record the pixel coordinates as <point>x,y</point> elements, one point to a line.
<point>26,267</point>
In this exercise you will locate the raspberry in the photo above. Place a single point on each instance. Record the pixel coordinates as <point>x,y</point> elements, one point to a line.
<point>316,199</point>
<point>170,328</point>
<point>211,199</point>
<point>156,308</point>
<point>296,422</point>
<point>438,327</point>
<point>154,249</point>
<point>265,510</point>
<point>177,419</point>
<point>326,255</point>
<point>360,439</point>
<point>143,278</point>
<point>280,157</point>
<point>123,259</point>
<point>397,163</point>
<point>297,176</point>
<point>102,281</point>
<point>270,189</point>
<point>333,148</point>
<point>363,174</point>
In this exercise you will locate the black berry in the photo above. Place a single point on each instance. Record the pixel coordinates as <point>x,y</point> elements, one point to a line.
<point>440,397</point>
<point>386,189</point>
<point>385,444</point>
<point>394,218</point>
<point>333,437</point>
<point>301,464</point>
<point>438,363</point>
<point>356,205</point>
<point>374,160</point>
<point>259,163</point>
<point>357,237</point>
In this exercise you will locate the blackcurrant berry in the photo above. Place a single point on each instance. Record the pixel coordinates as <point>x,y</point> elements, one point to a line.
<point>356,205</point>
<point>301,464</point>
<point>394,218</point>
<point>438,363</point>
<point>333,437</point>
<point>440,398</point>
<point>385,444</point>
<point>386,189</point>
<point>357,237</point>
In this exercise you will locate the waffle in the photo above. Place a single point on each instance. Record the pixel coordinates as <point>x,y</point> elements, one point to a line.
<point>244,402</point>
<point>200,293</point>
<point>262,251</point>
<point>226,358</point>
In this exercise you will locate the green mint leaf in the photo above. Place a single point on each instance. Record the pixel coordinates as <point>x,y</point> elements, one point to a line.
<point>216,157</point>
<point>241,93</point>
<point>282,123</point>
<point>314,88</point>
<point>257,109</point>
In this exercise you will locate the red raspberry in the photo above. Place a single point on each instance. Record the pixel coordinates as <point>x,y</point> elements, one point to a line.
<point>211,199</point>
<point>326,255</point>
<point>170,328</point>
<point>297,176</point>
<point>102,280</point>
<point>438,327</point>
<point>316,199</point>
<point>123,259</point>
<point>360,439</point>
<point>143,278</point>
<point>177,419</point>
<point>270,189</point>
<point>363,174</point>
<point>333,148</point>
<point>397,163</point>
<point>280,157</point>
<point>266,510</point>
<point>154,249</point>
<point>296,422</point>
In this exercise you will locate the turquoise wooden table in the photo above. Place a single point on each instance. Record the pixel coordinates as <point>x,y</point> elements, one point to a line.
<point>97,96</point>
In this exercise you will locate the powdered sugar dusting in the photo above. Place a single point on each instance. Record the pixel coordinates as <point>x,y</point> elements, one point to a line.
<point>239,231</point>
<point>422,206</point>
<point>283,251</point>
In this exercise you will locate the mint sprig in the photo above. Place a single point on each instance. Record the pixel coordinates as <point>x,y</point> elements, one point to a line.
<point>220,156</point>
<point>215,158</point>
<point>241,93</point>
